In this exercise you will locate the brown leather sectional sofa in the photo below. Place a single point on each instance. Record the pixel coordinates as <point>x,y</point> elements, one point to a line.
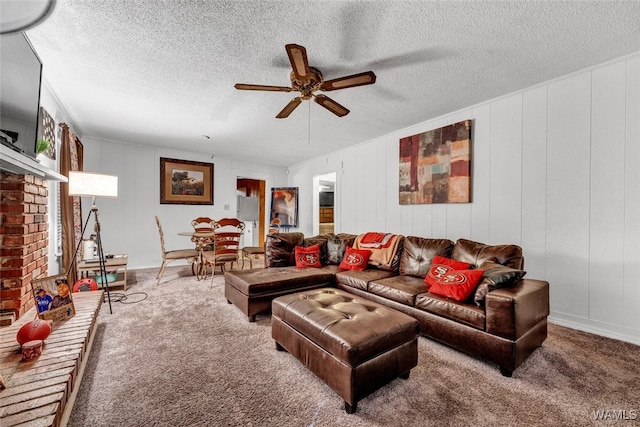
<point>504,329</point>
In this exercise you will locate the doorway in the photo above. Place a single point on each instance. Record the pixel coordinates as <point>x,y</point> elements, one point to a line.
<point>324,200</point>
<point>251,209</point>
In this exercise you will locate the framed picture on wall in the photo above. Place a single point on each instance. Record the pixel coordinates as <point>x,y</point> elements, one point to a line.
<point>48,133</point>
<point>284,205</point>
<point>186,182</point>
<point>435,166</point>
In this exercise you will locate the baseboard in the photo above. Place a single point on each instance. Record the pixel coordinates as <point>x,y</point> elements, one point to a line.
<point>597,328</point>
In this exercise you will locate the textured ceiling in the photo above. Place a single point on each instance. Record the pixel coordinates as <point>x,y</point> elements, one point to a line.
<point>162,72</point>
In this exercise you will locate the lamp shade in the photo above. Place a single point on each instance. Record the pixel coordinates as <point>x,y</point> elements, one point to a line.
<point>92,184</point>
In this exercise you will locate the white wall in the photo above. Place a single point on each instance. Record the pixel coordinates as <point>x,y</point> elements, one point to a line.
<point>554,169</point>
<point>128,224</point>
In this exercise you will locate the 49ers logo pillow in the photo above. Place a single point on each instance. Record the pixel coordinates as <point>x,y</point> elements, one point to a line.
<point>450,278</point>
<point>308,257</point>
<point>355,259</point>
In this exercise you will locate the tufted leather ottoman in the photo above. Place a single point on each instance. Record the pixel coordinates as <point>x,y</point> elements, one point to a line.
<point>354,345</point>
<point>253,290</point>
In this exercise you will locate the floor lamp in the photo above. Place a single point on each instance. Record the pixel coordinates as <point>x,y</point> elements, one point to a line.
<point>94,185</point>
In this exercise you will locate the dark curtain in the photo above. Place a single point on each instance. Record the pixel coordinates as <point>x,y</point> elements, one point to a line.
<point>71,154</point>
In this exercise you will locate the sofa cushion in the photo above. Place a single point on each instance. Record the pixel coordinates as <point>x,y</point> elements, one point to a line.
<point>280,249</point>
<point>477,253</point>
<point>331,268</point>
<point>262,281</point>
<point>456,284</point>
<point>355,259</point>
<point>402,289</point>
<point>360,279</point>
<point>418,253</point>
<point>308,257</point>
<point>463,312</point>
<point>495,276</point>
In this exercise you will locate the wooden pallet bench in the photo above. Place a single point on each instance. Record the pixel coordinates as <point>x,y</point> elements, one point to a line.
<point>41,391</point>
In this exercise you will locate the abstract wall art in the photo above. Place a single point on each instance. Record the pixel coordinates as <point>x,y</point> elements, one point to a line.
<point>435,166</point>
<point>284,205</point>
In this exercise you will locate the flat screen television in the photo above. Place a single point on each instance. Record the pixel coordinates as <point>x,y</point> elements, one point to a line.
<point>20,76</point>
<point>326,199</point>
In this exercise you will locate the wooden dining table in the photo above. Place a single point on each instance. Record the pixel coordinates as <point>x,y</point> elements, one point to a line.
<point>201,240</point>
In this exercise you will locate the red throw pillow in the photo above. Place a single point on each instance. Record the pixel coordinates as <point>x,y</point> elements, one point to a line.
<point>308,257</point>
<point>441,266</point>
<point>456,284</point>
<point>355,259</point>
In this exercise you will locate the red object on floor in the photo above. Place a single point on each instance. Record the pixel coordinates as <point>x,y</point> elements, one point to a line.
<point>85,285</point>
<point>32,349</point>
<point>35,330</point>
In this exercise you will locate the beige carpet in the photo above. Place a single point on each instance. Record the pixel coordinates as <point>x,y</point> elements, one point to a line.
<point>184,357</point>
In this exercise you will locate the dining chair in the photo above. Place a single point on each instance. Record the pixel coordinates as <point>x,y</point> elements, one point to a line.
<point>226,245</point>
<point>202,223</point>
<point>176,254</point>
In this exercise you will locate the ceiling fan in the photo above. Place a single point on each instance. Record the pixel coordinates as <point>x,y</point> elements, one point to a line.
<point>308,80</point>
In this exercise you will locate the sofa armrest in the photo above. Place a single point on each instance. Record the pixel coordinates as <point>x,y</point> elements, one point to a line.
<point>511,312</point>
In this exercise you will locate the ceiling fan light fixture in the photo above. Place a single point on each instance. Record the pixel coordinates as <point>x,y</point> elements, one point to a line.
<point>307,80</point>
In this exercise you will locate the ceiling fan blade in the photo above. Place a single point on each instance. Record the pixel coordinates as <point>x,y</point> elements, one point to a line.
<point>244,86</point>
<point>331,105</point>
<point>289,108</point>
<point>299,63</point>
<point>360,79</point>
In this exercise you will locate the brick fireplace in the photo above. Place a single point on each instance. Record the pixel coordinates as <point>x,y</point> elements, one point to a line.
<point>24,241</point>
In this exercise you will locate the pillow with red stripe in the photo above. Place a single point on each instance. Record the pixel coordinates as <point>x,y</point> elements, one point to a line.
<point>456,284</point>
<point>308,257</point>
<point>354,259</point>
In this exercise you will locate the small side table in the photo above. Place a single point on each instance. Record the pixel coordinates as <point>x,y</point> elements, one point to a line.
<point>251,252</point>
<point>117,263</point>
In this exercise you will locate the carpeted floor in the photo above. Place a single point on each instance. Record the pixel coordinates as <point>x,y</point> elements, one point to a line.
<point>182,356</point>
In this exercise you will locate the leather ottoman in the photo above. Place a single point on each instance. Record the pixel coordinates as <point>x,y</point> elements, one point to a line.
<point>354,345</point>
<point>253,290</point>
